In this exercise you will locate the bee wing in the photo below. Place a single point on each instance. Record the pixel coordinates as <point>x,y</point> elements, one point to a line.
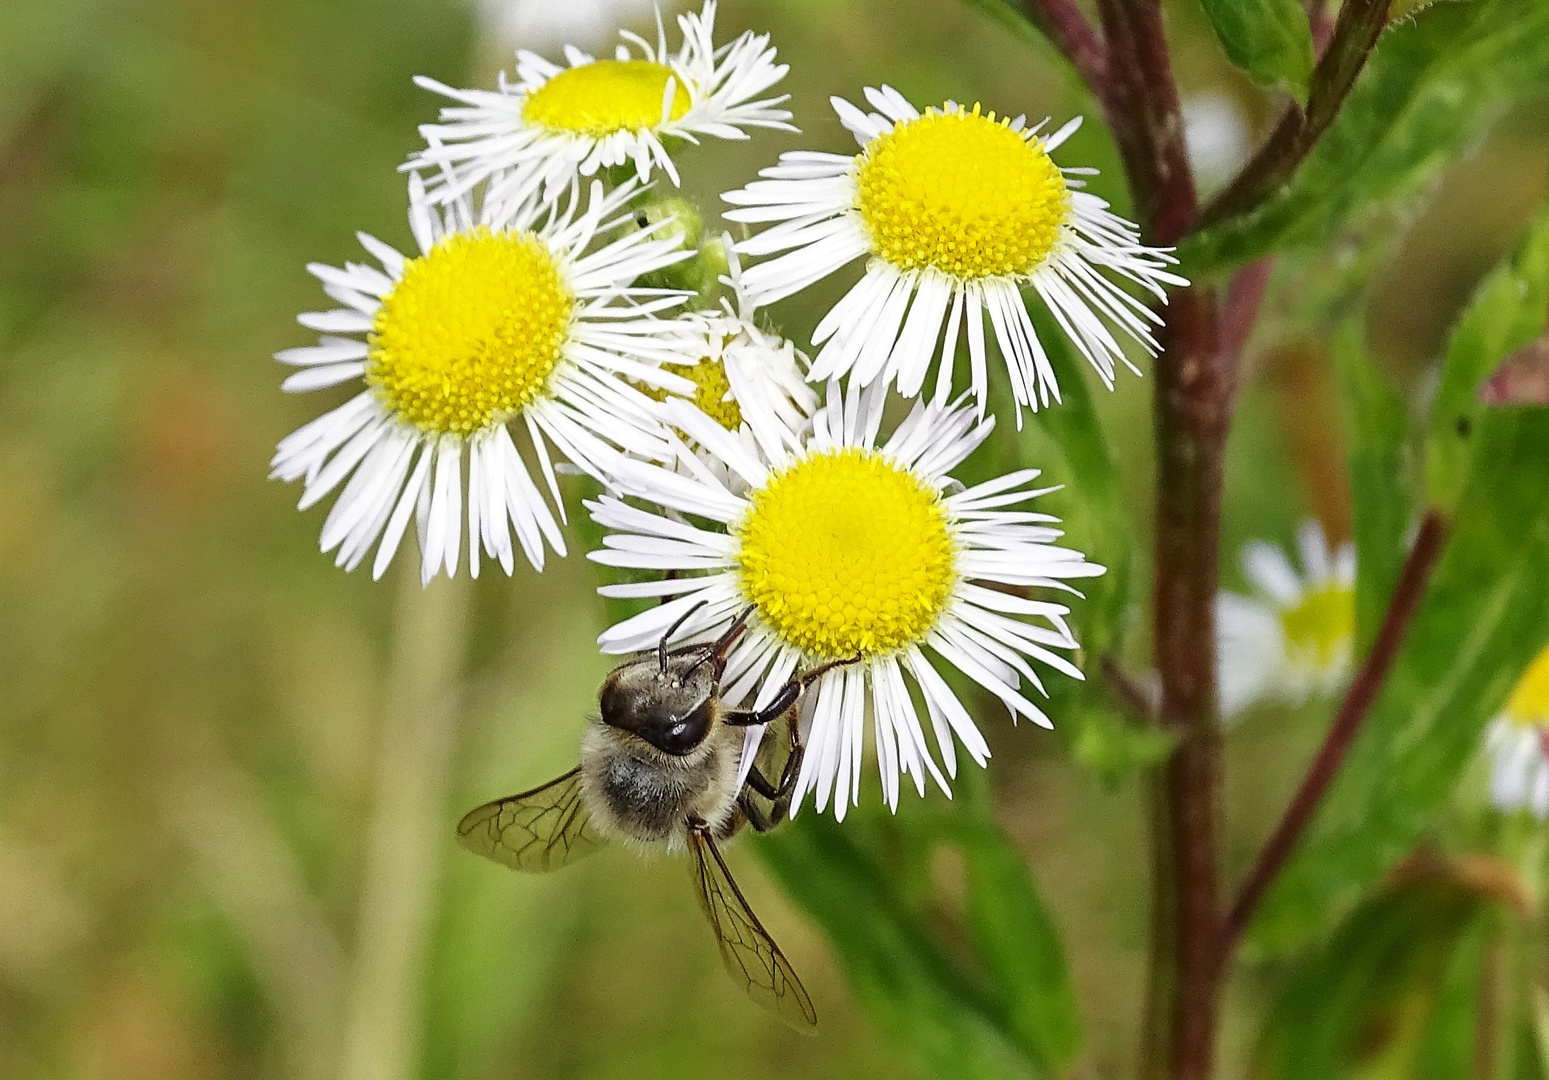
<point>751,957</point>
<point>538,830</point>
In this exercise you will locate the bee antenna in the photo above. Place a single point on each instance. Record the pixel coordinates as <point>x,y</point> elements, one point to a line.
<point>718,650</point>
<point>661,646</point>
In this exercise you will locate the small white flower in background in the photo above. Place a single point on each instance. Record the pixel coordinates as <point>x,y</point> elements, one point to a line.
<point>955,212</point>
<point>1518,744</point>
<point>502,318</point>
<point>554,123</point>
<point>1294,637</point>
<point>541,24</point>
<point>1216,137</point>
<point>846,548</point>
<point>750,381</point>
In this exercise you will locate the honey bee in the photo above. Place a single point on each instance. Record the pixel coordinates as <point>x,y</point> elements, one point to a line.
<point>659,769</point>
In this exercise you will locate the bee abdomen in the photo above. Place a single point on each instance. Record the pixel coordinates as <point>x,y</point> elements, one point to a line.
<point>642,804</point>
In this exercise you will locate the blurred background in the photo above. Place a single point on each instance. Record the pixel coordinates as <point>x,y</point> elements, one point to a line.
<point>229,772</point>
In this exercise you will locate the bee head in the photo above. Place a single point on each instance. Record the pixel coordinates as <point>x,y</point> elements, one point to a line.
<point>673,707</point>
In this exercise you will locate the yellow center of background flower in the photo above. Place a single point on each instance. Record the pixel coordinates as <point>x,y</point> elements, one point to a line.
<point>712,391</point>
<point>1529,701</point>
<point>846,553</point>
<point>606,96</point>
<point>1321,626</point>
<point>962,193</point>
<point>472,332</point>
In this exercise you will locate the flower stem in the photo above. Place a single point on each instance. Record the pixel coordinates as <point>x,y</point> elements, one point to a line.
<point>1354,34</point>
<point>1357,703</point>
<point>408,831</point>
<point>1193,401</point>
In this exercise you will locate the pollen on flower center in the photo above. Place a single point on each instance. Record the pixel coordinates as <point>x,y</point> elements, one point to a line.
<point>471,333</point>
<point>1322,624</point>
<point>963,193</point>
<point>712,391</point>
<point>1529,701</point>
<point>606,96</point>
<point>845,552</point>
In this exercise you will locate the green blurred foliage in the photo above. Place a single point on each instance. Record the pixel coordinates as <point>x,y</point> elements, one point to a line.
<point>197,706</point>
<point>1269,39</point>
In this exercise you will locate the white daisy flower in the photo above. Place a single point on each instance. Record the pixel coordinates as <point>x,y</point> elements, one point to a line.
<point>488,326</point>
<point>1518,744</point>
<point>957,211</point>
<point>846,549</point>
<point>750,381</point>
<point>1294,637</point>
<point>553,123</point>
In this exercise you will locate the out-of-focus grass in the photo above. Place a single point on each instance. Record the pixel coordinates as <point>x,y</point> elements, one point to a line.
<point>192,698</point>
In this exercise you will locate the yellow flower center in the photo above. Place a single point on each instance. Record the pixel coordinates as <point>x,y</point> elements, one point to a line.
<point>712,391</point>
<point>1321,626</point>
<point>845,552</point>
<point>962,193</point>
<point>1529,701</point>
<point>606,96</point>
<point>471,333</point>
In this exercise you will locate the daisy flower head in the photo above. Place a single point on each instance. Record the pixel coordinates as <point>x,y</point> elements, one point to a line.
<point>748,380</point>
<point>538,133</point>
<point>847,549</point>
<point>1294,637</point>
<point>1517,742</point>
<point>490,327</point>
<point>955,211</point>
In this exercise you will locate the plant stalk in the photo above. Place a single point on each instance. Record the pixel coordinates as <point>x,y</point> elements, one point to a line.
<point>1347,722</point>
<point>408,830</point>
<point>1193,402</point>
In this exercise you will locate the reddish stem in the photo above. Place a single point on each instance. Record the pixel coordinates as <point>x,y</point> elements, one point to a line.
<point>1355,32</point>
<point>1352,711</point>
<point>1140,97</point>
<point>1241,309</point>
<point>1193,403</point>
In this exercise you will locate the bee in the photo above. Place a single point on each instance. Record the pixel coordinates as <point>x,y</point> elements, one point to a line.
<point>659,769</point>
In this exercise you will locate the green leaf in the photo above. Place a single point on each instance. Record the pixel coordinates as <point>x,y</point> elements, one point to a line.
<point>1377,431</point>
<point>1446,1046</point>
<point>1507,311</point>
<point>1269,39</point>
<point>899,973</point>
<point>1021,949</point>
<point>1369,994</point>
<point>1477,628</point>
<point>1019,945</point>
<point>1430,87</point>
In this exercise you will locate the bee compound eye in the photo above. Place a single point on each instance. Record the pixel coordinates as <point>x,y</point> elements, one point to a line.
<point>678,736</point>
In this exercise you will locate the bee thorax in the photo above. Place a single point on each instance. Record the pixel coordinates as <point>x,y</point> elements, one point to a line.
<point>638,793</point>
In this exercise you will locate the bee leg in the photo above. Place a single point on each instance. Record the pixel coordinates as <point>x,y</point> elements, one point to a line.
<point>787,696</point>
<point>779,795</point>
<point>761,784</point>
<point>760,821</point>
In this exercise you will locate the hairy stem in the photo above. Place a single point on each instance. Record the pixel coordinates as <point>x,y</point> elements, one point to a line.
<point>1352,711</point>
